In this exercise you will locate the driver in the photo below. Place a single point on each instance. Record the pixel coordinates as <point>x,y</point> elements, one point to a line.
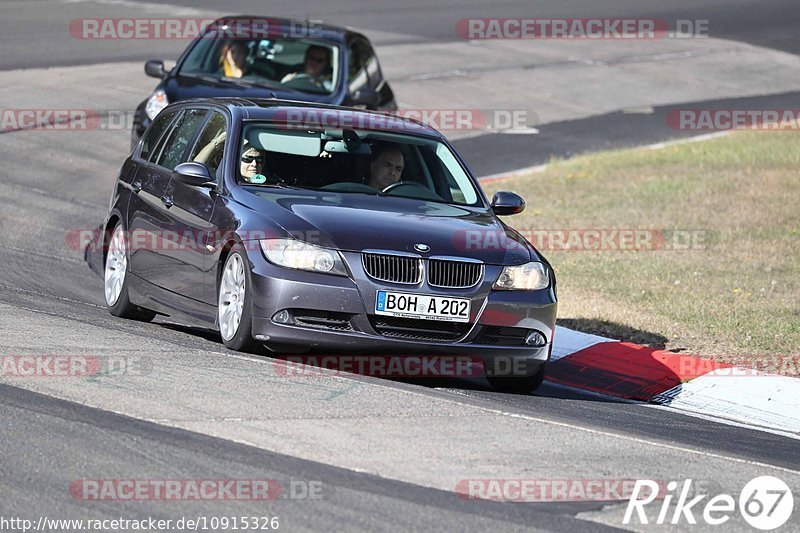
<point>316,63</point>
<point>386,166</point>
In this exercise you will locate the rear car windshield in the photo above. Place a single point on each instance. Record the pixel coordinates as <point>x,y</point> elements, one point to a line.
<point>304,65</point>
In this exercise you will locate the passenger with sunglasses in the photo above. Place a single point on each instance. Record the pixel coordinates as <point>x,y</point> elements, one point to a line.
<point>251,167</point>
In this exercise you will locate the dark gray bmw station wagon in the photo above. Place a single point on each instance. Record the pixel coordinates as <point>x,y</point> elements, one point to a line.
<point>304,226</point>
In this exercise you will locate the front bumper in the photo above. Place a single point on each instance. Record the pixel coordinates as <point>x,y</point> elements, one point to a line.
<point>336,314</point>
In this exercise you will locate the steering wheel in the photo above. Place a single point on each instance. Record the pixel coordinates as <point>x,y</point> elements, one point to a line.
<point>420,192</point>
<point>396,184</point>
<point>302,79</point>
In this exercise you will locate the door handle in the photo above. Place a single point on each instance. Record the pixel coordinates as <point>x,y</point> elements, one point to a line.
<point>136,186</point>
<point>167,201</point>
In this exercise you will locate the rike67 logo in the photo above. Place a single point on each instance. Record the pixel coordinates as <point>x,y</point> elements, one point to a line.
<point>766,503</point>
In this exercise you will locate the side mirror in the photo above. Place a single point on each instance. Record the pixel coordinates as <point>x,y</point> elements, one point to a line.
<point>365,96</point>
<point>194,174</point>
<point>507,203</point>
<point>155,68</point>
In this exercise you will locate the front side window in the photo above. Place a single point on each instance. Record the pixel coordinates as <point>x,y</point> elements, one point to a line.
<point>210,145</point>
<point>180,137</point>
<point>353,162</point>
<point>304,65</point>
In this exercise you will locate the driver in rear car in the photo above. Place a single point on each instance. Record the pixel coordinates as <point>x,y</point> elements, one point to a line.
<point>386,166</point>
<point>316,65</point>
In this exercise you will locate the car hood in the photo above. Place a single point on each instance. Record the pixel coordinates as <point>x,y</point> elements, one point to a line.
<point>185,88</point>
<point>357,222</point>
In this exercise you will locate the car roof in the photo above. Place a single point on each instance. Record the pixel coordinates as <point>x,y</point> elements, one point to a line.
<point>318,115</point>
<point>311,29</point>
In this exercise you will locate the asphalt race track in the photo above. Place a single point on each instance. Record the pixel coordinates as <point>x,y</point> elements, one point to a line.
<point>384,454</point>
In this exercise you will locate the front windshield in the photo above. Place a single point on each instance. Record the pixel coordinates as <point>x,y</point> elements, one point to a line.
<point>353,162</point>
<point>305,65</point>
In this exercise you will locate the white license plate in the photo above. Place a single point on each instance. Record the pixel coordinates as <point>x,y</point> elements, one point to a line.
<point>407,305</point>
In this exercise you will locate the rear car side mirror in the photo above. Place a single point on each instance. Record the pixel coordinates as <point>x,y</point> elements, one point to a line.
<point>194,174</point>
<point>507,203</point>
<point>366,96</point>
<point>155,68</point>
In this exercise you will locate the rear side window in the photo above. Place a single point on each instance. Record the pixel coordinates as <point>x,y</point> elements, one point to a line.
<point>154,134</point>
<point>361,58</point>
<point>182,134</point>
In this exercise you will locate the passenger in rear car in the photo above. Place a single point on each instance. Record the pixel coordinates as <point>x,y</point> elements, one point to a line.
<point>233,58</point>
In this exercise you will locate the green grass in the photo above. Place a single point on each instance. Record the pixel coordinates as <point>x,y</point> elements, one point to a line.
<point>737,298</point>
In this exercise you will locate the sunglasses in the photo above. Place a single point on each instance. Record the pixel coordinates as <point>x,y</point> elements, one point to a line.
<point>250,158</point>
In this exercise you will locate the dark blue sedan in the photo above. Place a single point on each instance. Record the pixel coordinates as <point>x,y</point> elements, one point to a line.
<point>258,57</point>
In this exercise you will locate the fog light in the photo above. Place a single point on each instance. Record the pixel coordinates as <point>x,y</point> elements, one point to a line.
<point>536,339</point>
<point>282,317</point>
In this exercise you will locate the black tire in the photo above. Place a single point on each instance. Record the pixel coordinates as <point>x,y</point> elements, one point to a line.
<point>518,384</point>
<point>242,340</point>
<point>123,307</point>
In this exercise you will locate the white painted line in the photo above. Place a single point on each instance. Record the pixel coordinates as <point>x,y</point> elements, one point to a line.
<point>500,176</point>
<point>718,420</point>
<point>150,7</point>
<point>696,138</point>
<point>514,173</point>
<point>625,437</point>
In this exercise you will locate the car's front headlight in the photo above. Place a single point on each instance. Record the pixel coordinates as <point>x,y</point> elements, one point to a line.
<point>156,102</point>
<point>527,277</point>
<point>291,253</point>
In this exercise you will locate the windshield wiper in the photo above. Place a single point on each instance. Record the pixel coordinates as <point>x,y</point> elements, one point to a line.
<point>239,82</point>
<point>202,77</point>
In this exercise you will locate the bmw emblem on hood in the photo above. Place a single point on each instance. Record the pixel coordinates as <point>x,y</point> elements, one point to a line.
<point>422,247</point>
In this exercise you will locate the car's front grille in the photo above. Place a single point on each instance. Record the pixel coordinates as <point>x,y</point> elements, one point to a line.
<point>502,335</point>
<point>322,319</point>
<point>444,273</point>
<point>415,329</point>
<point>393,268</point>
<point>454,274</point>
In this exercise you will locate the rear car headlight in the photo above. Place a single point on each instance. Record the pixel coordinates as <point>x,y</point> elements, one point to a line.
<point>156,102</point>
<point>528,277</point>
<point>291,253</point>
